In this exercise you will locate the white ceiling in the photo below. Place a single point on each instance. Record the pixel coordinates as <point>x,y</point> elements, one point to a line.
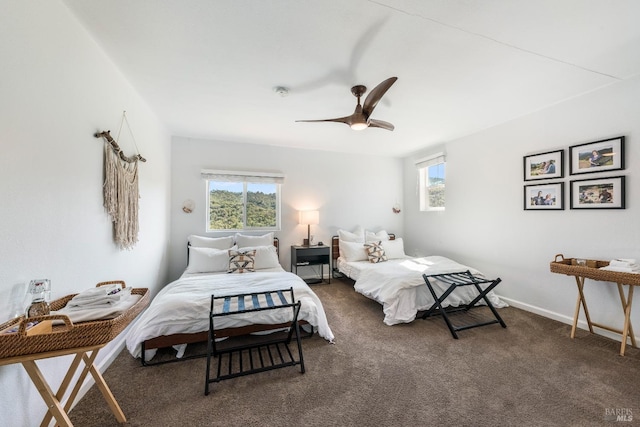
<point>208,67</point>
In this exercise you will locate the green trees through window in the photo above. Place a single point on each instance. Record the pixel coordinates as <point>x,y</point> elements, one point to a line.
<point>243,206</point>
<point>432,185</point>
<point>435,185</point>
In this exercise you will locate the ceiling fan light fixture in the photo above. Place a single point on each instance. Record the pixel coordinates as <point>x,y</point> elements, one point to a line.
<point>361,117</point>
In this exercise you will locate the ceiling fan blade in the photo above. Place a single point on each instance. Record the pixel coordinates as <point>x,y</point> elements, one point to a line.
<point>375,95</point>
<point>380,124</point>
<point>346,120</point>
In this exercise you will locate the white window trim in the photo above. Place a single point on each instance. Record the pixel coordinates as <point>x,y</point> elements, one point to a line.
<point>422,166</point>
<point>434,159</point>
<point>241,176</point>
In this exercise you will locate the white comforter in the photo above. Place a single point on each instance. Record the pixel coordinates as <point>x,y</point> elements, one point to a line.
<point>183,306</point>
<point>398,285</point>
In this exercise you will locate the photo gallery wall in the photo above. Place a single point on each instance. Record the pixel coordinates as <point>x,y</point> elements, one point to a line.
<point>604,192</point>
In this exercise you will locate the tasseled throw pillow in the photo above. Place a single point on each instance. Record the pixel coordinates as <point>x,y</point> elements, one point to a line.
<point>375,252</point>
<point>241,262</point>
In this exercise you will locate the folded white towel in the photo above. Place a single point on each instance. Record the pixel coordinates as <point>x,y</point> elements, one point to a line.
<point>100,312</point>
<point>621,269</point>
<point>95,303</point>
<point>623,262</point>
<point>99,291</point>
<point>109,294</point>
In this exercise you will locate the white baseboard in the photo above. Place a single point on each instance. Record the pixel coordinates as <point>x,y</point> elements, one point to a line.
<point>582,324</point>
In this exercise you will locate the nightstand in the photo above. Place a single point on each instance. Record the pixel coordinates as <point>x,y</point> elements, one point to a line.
<point>311,255</point>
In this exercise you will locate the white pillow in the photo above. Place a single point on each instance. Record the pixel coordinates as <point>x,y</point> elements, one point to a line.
<point>394,248</point>
<point>207,260</point>
<point>266,257</point>
<point>370,236</point>
<point>353,251</point>
<point>211,242</point>
<point>356,236</point>
<point>244,241</point>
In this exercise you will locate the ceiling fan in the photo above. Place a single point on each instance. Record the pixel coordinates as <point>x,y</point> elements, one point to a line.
<point>361,117</point>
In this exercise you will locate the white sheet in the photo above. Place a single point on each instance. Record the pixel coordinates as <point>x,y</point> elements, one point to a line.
<point>183,305</point>
<point>398,285</point>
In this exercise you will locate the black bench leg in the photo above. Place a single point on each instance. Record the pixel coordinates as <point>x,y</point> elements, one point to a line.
<point>443,312</point>
<point>483,295</point>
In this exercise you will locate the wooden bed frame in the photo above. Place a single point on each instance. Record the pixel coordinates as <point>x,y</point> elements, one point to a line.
<point>335,254</point>
<point>165,341</point>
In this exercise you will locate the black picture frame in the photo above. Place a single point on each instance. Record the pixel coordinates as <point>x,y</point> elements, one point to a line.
<point>544,197</point>
<point>548,165</point>
<point>598,193</point>
<point>598,156</point>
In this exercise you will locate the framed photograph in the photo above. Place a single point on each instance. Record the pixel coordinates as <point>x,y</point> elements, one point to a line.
<point>598,156</point>
<point>600,193</point>
<point>544,197</point>
<point>544,165</point>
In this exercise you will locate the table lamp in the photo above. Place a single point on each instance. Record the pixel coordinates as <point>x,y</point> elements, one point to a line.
<point>309,218</point>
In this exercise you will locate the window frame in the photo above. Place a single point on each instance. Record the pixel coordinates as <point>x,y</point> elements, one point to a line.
<point>423,166</point>
<point>246,179</point>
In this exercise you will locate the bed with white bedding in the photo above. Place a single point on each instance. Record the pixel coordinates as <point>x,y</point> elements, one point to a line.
<point>397,283</point>
<point>179,313</point>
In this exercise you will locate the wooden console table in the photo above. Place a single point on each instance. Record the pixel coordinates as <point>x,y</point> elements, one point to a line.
<point>53,401</point>
<point>592,271</point>
<point>83,339</point>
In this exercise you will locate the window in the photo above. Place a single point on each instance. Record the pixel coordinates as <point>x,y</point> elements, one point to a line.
<point>240,201</point>
<point>432,172</point>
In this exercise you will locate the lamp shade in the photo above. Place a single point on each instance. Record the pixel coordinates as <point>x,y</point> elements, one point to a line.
<point>310,217</point>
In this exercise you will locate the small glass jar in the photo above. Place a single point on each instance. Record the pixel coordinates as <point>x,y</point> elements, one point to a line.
<point>38,307</point>
<point>40,290</point>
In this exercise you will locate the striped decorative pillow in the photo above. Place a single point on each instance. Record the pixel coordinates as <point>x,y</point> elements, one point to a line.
<point>375,252</point>
<point>241,262</point>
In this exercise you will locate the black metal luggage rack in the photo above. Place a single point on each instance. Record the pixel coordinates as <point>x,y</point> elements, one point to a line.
<point>454,280</point>
<point>244,355</point>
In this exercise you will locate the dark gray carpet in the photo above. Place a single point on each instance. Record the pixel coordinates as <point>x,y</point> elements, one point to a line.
<point>530,373</point>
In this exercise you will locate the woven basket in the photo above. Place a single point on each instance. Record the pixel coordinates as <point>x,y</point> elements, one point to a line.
<point>568,266</point>
<point>69,335</point>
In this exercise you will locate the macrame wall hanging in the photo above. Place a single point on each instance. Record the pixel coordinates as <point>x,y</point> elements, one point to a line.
<point>121,187</point>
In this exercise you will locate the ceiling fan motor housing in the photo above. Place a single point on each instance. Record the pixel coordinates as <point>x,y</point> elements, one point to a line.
<point>358,90</point>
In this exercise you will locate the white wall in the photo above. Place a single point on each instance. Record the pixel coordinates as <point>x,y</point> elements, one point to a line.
<point>57,89</point>
<point>485,226</point>
<point>347,189</point>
